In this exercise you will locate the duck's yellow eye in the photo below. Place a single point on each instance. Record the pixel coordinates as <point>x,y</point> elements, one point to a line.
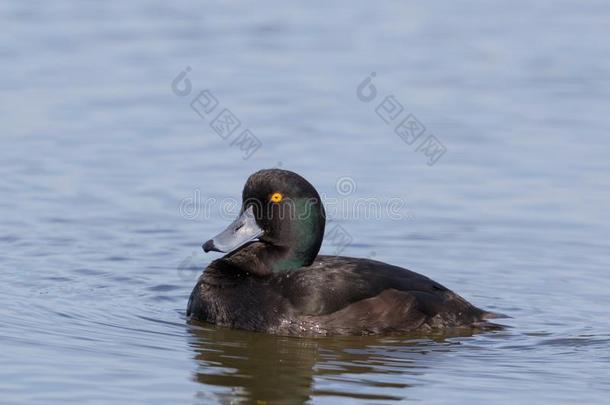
<point>276,197</point>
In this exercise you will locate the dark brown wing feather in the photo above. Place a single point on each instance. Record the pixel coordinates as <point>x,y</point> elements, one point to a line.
<point>345,294</point>
<point>390,311</point>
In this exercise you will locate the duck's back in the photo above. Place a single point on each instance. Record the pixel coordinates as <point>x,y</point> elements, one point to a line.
<point>345,295</point>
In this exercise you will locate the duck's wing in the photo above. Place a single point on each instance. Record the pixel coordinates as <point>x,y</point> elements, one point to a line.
<point>351,288</point>
<point>389,311</point>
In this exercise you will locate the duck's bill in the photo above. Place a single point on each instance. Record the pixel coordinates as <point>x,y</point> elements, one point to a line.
<point>241,231</point>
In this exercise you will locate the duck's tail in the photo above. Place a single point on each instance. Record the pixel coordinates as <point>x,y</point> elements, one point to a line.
<point>494,315</point>
<point>484,322</point>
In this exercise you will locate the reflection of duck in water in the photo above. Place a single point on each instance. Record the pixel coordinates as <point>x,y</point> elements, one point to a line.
<point>273,280</point>
<point>239,365</point>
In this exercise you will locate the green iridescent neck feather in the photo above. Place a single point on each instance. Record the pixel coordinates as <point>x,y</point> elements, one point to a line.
<point>306,232</point>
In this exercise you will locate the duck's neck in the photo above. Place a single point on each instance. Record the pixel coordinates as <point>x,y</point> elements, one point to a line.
<point>302,241</point>
<point>263,259</point>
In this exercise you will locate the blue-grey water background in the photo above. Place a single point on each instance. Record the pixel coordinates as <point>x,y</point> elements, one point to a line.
<point>98,155</point>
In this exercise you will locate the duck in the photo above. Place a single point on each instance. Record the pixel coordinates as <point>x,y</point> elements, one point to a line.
<point>272,279</point>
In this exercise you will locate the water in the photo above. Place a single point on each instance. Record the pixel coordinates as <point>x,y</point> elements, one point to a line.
<point>98,155</point>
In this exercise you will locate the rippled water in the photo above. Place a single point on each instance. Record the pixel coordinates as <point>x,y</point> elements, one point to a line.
<point>98,155</point>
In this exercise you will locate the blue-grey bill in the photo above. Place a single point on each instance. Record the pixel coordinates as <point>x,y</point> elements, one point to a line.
<point>241,231</point>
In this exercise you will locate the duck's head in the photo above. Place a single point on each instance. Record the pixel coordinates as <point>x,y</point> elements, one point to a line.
<point>281,210</point>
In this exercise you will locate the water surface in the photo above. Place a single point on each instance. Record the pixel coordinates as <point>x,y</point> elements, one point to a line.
<point>103,167</point>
